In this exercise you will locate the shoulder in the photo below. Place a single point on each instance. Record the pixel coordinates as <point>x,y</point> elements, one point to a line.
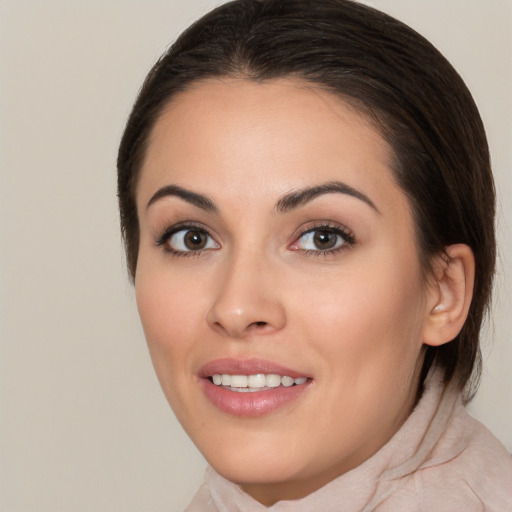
<point>469,468</point>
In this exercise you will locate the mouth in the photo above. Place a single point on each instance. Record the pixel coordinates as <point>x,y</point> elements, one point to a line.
<point>251,388</point>
<point>255,382</point>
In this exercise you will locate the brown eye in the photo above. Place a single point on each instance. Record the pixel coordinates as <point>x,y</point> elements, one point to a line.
<point>195,240</point>
<point>325,239</point>
<point>191,240</point>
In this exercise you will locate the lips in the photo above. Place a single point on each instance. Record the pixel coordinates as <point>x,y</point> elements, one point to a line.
<point>246,367</point>
<point>251,387</point>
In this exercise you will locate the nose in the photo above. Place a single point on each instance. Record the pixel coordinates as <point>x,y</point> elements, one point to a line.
<point>247,300</point>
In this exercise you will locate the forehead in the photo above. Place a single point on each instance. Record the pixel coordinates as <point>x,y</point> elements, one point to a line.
<point>243,137</point>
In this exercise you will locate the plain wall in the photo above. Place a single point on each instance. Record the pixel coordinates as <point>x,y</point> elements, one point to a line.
<point>84,426</point>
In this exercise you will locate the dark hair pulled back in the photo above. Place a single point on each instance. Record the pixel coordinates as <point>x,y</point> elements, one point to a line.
<point>390,73</point>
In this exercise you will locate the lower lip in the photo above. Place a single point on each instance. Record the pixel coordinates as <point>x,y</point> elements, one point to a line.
<point>252,404</point>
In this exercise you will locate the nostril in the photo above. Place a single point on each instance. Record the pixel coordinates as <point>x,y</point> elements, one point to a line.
<point>259,324</point>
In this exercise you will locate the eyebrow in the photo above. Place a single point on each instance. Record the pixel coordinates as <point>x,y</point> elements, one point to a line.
<point>297,198</point>
<point>199,200</point>
<point>288,202</point>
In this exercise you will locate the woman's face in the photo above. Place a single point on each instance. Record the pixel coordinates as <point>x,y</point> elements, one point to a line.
<point>278,259</point>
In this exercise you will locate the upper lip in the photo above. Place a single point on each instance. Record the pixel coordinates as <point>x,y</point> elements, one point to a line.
<point>247,367</point>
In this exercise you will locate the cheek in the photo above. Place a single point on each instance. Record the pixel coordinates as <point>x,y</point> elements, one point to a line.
<point>367,315</point>
<point>169,316</point>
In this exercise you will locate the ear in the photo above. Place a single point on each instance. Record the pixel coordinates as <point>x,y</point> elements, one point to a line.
<point>449,295</point>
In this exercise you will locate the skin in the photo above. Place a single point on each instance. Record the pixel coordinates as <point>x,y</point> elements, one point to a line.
<point>354,320</point>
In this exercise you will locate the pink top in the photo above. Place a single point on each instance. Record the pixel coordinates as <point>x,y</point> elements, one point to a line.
<point>440,460</point>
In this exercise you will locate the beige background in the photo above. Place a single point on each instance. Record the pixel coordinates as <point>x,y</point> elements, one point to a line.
<point>84,426</point>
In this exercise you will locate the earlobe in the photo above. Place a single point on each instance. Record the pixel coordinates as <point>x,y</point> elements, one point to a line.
<point>449,295</point>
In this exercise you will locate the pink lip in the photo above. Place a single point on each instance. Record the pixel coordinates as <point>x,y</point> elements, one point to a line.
<point>246,367</point>
<point>255,403</point>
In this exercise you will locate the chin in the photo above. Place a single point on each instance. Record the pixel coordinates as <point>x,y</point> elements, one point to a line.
<point>272,477</point>
<point>256,461</point>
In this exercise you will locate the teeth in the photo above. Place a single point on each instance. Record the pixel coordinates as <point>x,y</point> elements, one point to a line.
<point>239,381</point>
<point>287,381</point>
<point>257,381</point>
<point>273,380</point>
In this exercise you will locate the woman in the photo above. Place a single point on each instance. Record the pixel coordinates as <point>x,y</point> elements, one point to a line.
<point>308,211</point>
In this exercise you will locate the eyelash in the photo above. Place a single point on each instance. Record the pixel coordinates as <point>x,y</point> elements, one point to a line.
<point>331,228</point>
<point>170,231</point>
<point>328,227</point>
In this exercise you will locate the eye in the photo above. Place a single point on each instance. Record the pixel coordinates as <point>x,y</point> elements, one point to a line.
<point>187,239</point>
<point>323,239</point>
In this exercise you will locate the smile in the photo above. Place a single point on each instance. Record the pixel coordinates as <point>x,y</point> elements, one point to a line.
<point>252,387</point>
<point>256,382</point>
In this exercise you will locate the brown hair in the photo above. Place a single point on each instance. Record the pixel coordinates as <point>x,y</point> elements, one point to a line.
<point>390,73</point>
